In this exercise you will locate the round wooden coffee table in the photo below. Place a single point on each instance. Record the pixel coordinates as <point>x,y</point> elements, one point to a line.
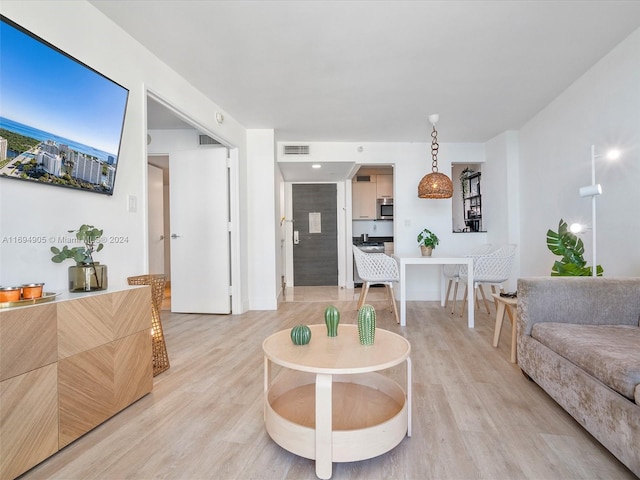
<point>330,405</point>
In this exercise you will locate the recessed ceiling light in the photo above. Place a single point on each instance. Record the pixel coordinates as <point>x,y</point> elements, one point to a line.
<point>315,165</point>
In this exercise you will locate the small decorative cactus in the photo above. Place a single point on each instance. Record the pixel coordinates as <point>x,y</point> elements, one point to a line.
<point>300,335</point>
<point>367,324</point>
<point>332,318</point>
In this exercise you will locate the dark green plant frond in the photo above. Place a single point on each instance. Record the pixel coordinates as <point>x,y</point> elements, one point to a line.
<point>571,249</point>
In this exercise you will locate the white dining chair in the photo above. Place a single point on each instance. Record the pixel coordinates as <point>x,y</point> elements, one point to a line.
<point>492,269</point>
<point>452,274</point>
<point>375,269</point>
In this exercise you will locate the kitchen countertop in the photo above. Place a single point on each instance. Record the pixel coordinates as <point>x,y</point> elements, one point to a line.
<point>372,240</point>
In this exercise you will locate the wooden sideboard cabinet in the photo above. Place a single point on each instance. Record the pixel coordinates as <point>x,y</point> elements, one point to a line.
<point>66,367</point>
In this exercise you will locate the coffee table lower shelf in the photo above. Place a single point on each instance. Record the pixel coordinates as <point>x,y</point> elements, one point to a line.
<point>369,415</point>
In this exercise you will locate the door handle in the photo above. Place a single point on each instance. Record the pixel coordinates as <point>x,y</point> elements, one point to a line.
<point>296,237</point>
<point>173,235</point>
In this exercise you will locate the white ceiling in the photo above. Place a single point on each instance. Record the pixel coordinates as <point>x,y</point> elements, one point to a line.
<point>328,171</point>
<point>374,70</point>
<point>161,118</point>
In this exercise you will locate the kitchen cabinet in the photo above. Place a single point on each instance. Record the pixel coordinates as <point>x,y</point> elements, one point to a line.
<point>384,186</point>
<point>364,200</point>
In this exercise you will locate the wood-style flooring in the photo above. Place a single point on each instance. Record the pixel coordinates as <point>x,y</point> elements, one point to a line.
<point>475,416</point>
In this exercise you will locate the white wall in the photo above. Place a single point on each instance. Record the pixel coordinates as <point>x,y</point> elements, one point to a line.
<point>501,197</point>
<point>281,229</point>
<point>262,235</point>
<point>411,214</point>
<point>36,210</point>
<point>374,228</point>
<point>156,219</point>
<point>601,108</point>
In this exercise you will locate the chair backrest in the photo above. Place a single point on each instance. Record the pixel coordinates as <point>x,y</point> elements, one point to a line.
<point>494,267</point>
<point>375,267</point>
<point>457,270</point>
<point>483,249</point>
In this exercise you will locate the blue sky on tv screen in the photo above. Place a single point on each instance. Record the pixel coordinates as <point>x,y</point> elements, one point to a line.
<point>43,88</point>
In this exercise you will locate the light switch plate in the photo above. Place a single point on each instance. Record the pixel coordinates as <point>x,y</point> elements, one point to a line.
<point>132,203</point>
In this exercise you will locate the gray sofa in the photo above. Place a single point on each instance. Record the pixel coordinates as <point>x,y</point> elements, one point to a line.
<point>579,339</point>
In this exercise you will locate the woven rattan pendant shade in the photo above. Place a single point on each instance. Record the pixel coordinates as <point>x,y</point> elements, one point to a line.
<point>435,184</point>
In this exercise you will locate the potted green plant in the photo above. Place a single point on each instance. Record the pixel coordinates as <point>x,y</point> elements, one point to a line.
<point>86,275</point>
<point>427,240</point>
<point>570,248</point>
<point>464,184</point>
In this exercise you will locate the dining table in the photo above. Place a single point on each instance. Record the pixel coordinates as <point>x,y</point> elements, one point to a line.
<point>406,260</point>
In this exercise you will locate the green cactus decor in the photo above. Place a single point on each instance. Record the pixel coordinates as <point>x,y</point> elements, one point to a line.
<point>332,318</point>
<point>300,335</point>
<point>367,324</point>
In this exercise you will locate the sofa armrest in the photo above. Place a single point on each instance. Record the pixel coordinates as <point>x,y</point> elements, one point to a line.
<point>583,300</point>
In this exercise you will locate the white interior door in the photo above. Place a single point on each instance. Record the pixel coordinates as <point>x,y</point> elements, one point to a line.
<point>156,219</point>
<point>200,265</point>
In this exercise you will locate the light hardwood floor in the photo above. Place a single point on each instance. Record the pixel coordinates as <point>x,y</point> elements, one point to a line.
<point>474,413</point>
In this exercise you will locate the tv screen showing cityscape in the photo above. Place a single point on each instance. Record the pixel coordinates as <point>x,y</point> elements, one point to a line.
<point>61,121</point>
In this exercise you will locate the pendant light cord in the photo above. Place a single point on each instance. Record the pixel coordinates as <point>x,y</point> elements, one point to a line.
<point>434,150</point>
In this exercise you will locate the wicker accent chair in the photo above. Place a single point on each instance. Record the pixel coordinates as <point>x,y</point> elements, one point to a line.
<point>452,273</point>
<point>492,269</point>
<point>374,269</point>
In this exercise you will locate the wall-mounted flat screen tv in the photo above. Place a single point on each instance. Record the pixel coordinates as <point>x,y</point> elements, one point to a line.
<point>61,121</point>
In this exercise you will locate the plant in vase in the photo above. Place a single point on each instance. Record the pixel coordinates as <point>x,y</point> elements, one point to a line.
<point>570,248</point>
<point>427,240</point>
<point>464,175</point>
<point>86,275</point>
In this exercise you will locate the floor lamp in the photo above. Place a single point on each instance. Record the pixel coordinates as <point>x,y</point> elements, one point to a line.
<point>593,191</point>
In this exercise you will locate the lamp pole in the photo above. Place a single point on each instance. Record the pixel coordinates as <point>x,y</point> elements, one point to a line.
<point>592,191</point>
<point>594,272</point>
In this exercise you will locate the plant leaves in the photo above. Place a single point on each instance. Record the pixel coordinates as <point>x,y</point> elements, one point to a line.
<point>571,249</point>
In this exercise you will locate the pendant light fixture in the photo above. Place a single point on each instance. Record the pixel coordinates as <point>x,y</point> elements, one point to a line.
<point>435,184</point>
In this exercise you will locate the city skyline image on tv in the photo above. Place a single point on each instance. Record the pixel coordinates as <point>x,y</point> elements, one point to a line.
<point>61,121</point>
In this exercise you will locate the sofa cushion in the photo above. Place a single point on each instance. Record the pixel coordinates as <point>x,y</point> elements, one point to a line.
<point>610,353</point>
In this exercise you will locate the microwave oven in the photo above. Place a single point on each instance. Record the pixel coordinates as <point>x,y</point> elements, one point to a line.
<point>384,209</point>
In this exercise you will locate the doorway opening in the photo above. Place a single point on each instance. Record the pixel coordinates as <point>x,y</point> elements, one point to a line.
<point>195,216</point>
<point>467,197</point>
<point>159,221</point>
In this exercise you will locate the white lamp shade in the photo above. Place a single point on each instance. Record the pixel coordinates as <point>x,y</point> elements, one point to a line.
<point>591,190</point>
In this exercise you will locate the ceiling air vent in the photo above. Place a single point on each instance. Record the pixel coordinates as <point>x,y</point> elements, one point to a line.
<point>207,140</point>
<point>296,150</point>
